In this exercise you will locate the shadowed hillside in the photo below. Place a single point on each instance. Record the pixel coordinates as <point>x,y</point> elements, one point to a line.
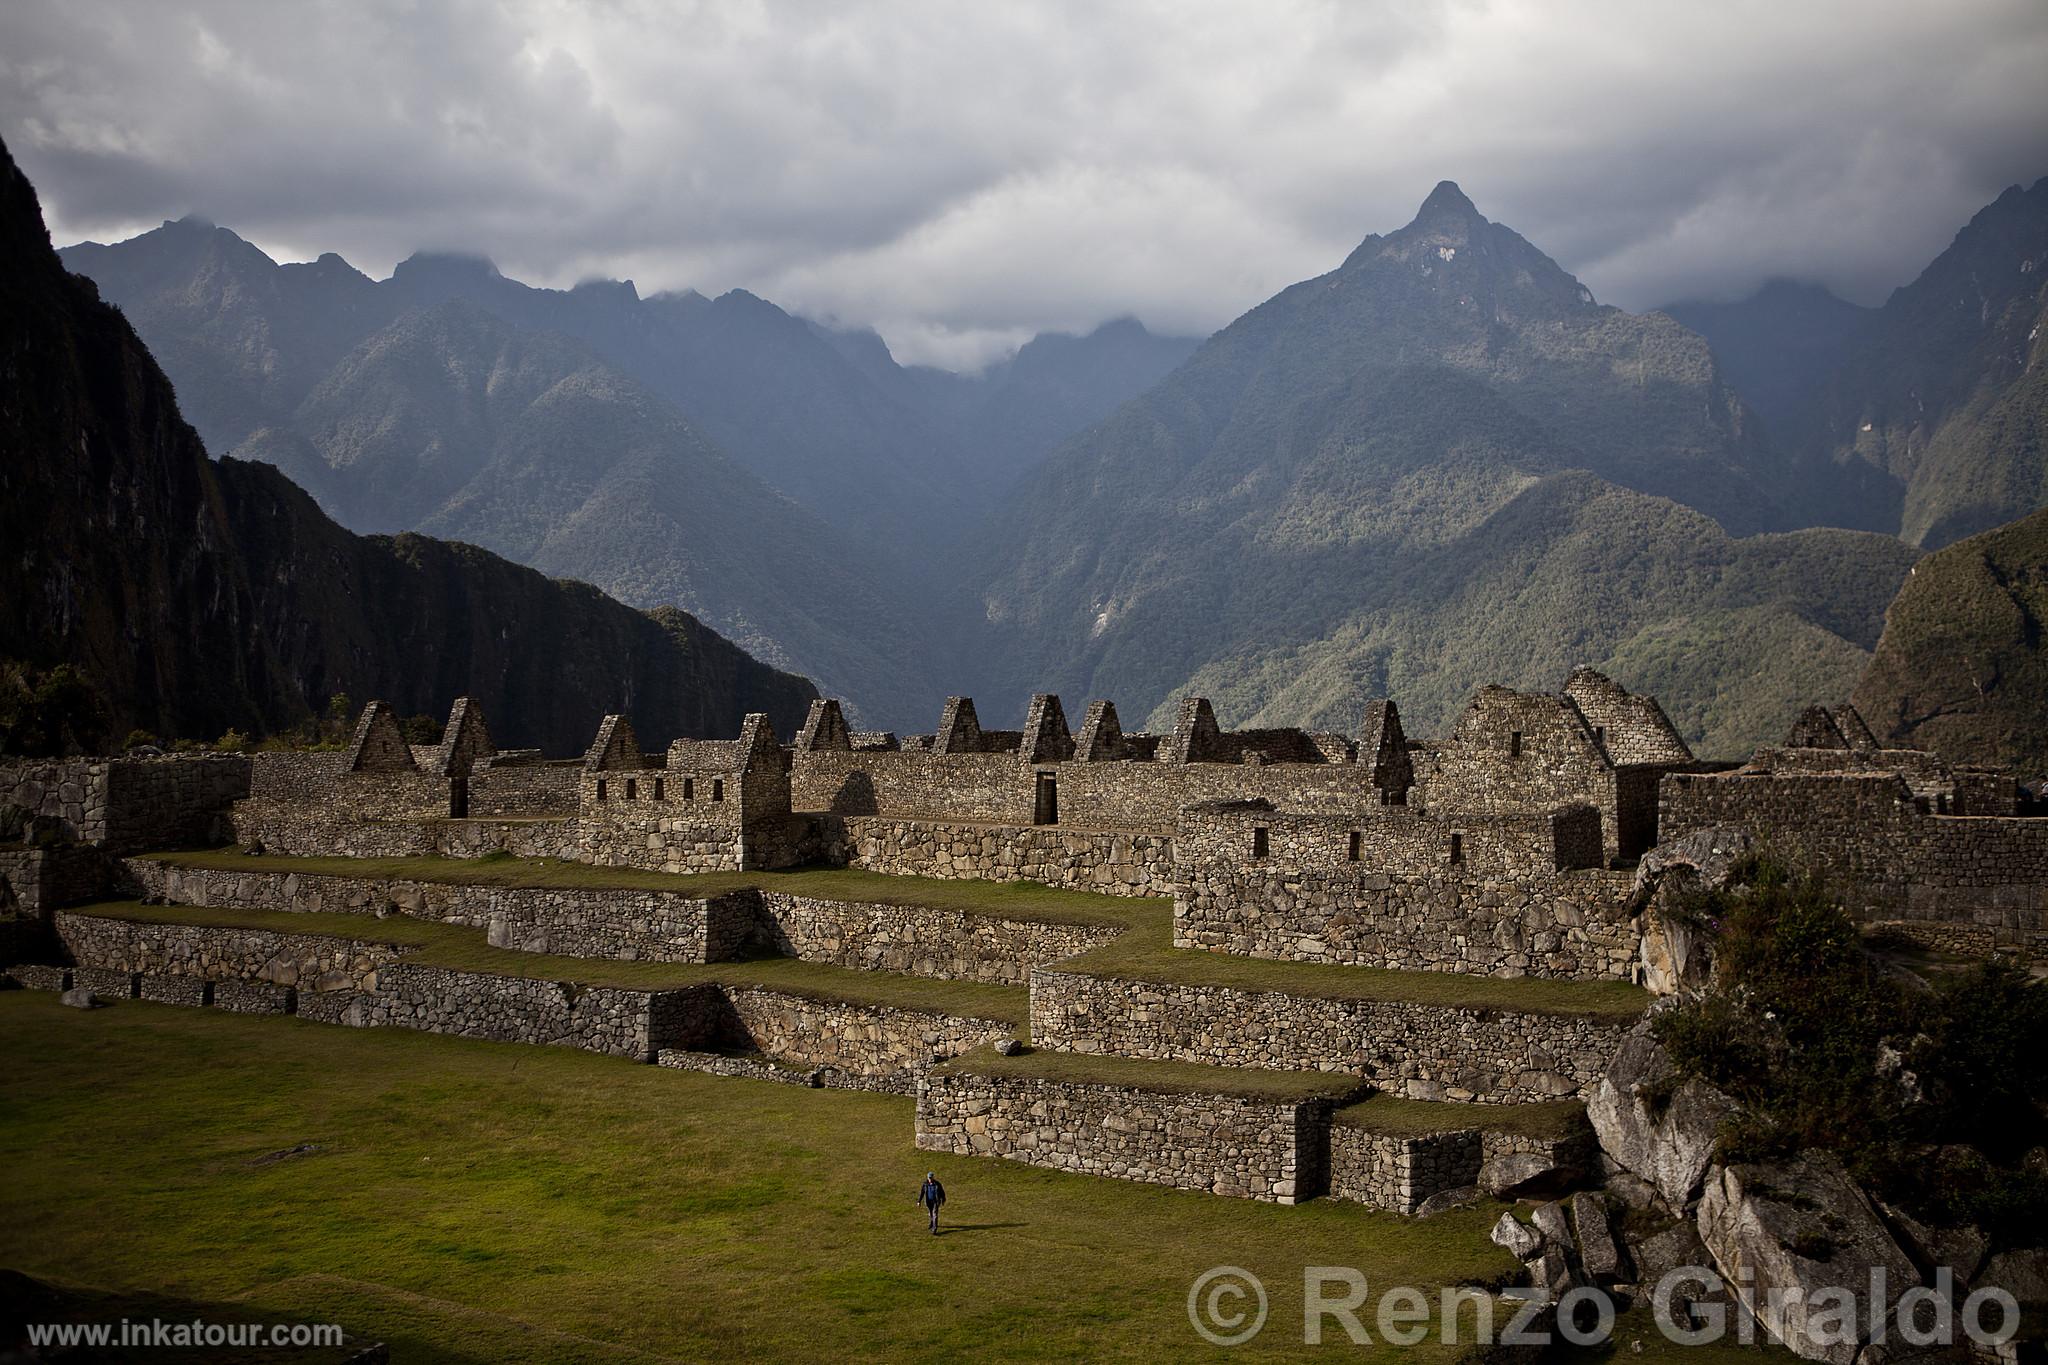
<point>200,595</point>
<point>1963,665</point>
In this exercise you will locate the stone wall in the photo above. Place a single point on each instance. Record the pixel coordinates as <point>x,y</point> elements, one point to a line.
<point>918,785</point>
<point>1116,863</point>
<point>39,879</point>
<point>308,831</point>
<point>311,962</point>
<point>130,803</point>
<point>1964,939</point>
<point>1423,1051</point>
<point>298,778</point>
<point>654,925</point>
<point>1867,834</point>
<point>1515,752</point>
<point>886,1046</point>
<point>918,940</point>
<point>1502,908</point>
<point>620,1023</point>
<point>1124,794</point>
<point>524,789</point>
<point>1398,1172</point>
<point>576,921</point>
<point>1224,1144</point>
<point>663,822</point>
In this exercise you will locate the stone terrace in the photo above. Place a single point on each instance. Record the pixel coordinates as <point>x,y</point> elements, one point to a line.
<point>1266,963</point>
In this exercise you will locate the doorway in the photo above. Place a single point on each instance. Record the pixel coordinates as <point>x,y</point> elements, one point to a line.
<point>1045,807</point>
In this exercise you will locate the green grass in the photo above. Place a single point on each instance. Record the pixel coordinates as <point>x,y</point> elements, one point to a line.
<point>1013,900</point>
<point>1143,953</point>
<point>435,944</point>
<point>1397,1116</point>
<point>1167,1077</point>
<point>1146,954</point>
<point>484,1202</point>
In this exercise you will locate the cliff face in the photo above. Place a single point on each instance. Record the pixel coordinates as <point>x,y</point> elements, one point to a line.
<point>1961,666</point>
<point>200,595</point>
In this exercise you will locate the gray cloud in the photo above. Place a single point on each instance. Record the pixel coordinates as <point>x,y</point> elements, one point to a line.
<point>963,176</point>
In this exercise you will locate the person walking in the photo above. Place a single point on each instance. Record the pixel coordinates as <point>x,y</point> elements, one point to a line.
<point>932,1194</point>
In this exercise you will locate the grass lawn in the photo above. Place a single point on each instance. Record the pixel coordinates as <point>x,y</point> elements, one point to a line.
<point>483,1202</point>
<point>437,944</point>
<point>1146,953</point>
<point>1014,900</point>
<point>1399,1116</point>
<point>1165,1076</point>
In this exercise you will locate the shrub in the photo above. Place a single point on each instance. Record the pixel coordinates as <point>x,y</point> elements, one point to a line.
<point>47,714</point>
<point>1930,1096</point>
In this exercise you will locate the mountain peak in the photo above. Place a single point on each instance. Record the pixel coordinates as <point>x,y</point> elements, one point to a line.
<point>445,265</point>
<point>1446,201</point>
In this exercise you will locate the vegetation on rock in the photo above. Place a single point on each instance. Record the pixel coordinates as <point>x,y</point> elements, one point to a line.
<point>1934,1095</point>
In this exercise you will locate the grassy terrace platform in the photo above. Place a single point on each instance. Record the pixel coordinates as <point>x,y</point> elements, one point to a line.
<point>1010,900</point>
<point>1174,1078</point>
<point>468,1202</point>
<point>1146,953</point>
<point>461,948</point>
<point>1397,1116</point>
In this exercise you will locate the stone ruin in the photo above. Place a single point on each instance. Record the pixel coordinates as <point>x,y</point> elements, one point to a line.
<point>1534,845</point>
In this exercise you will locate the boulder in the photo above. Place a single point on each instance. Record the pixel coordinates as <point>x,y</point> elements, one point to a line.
<point>1662,1252</point>
<point>1517,1238</point>
<point>1633,1191</point>
<point>1444,1200</point>
<point>1009,1047</point>
<point>1799,1243</point>
<point>1551,1269</point>
<point>78,997</point>
<point>1549,1219</point>
<point>1599,1250</point>
<point>1959,1249</point>
<point>1522,1175</point>
<point>2022,1274</point>
<point>1664,1134</point>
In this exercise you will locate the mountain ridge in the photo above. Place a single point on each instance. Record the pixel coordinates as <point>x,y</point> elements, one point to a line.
<point>1304,512</point>
<point>201,595</point>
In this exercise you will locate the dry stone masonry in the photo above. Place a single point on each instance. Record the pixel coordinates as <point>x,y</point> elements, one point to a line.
<point>1527,843</point>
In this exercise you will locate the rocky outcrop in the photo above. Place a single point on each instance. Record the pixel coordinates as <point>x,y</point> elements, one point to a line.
<point>1675,955</point>
<point>1654,1124</point>
<point>1800,1243</point>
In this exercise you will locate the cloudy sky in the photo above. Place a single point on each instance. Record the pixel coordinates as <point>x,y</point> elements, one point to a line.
<point>963,175</point>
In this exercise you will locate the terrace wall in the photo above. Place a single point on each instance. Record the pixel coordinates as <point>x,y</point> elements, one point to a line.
<point>886,1047</point>
<point>1518,901</point>
<point>577,921</point>
<point>620,1023</point>
<point>40,879</point>
<point>1400,1172</point>
<point>1224,1144</point>
<point>1424,1051</point>
<point>311,962</point>
<point>918,940</point>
